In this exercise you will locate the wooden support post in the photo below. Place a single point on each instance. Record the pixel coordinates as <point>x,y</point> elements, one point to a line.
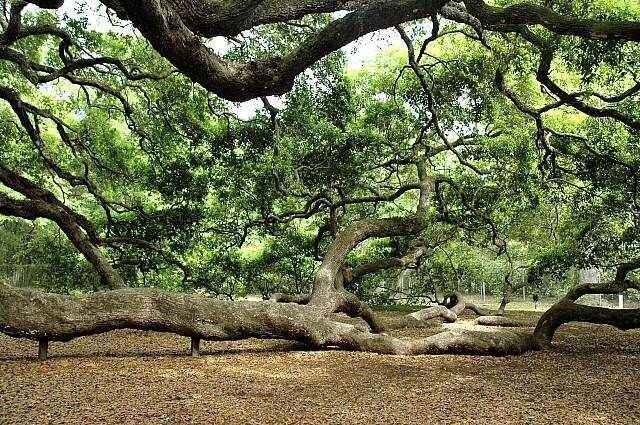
<point>43,348</point>
<point>195,347</point>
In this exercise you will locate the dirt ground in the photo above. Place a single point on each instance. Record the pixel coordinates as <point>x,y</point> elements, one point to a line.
<point>593,376</point>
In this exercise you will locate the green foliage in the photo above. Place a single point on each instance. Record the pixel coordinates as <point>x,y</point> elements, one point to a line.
<point>230,198</point>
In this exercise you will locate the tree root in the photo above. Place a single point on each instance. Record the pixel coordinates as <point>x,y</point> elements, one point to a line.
<point>452,306</point>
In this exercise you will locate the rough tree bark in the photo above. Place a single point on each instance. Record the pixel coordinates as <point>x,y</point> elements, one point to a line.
<point>29,314</point>
<point>566,311</point>
<point>177,28</point>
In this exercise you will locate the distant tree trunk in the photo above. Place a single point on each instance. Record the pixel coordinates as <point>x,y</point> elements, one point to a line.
<point>506,299</point>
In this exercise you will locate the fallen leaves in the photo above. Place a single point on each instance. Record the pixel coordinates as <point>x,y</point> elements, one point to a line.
<point>593,376</point>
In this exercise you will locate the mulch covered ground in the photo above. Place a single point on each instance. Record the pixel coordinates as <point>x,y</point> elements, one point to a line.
<point>124,377</point>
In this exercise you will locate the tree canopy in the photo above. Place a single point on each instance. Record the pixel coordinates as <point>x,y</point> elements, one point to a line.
<point>490,141</point>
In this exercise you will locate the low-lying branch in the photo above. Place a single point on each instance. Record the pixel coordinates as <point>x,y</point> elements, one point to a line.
<point>46,317</point>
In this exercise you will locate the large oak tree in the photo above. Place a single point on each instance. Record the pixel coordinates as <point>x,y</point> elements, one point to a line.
<point>515,34</point>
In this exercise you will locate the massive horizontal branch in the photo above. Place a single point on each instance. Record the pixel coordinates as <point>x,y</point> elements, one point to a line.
<point>47,4</point>
<point>176,29</point>
<point>162,25</point>
<point>29,314</point>
<point>500,19</point>
<point>215,18</point>
<point>615,287</point>
<point>567,311</point>
<point>210,18</point>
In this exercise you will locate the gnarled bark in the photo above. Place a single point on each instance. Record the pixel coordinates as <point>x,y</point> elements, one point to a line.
<point>420,318</point>
<point>329,278</point>
<point>175,28</point>
<point>171,32</point>
<point>29,314</point>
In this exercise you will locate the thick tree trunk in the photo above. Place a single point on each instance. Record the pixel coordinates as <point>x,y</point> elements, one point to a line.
<point>44,317</point>
<point>329,278</point>
<point>503,306</point>
<point>30,314</point>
